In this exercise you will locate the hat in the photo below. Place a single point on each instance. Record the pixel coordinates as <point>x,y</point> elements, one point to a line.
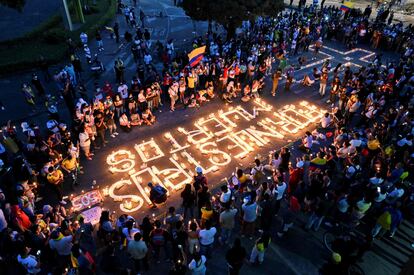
<point>25,126</point>
<point>336,257</point>
<point>350,170</point>
<point>46,209</point>
<point>299,164</point>
<point>150,184</point>
<point>199,170</point>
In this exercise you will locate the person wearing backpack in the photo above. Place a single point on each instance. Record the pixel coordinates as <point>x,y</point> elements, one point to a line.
<point>198,265</point>
<point>389,220</point>
<point>159,238</point>
<point>258,251</point>
<point>257,172</point>
<point>235,257</point>
<point>158,194</point>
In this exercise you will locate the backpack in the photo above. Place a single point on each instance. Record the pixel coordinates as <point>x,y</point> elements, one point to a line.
<point>160,191</point>
<point>258,175</point>
<point>158,237</point>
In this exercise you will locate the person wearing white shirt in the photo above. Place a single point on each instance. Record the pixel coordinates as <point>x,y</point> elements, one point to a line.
<point>29,262</point>
<point>278,193</point>
<point>198,265</point>
<point>147,59</point>
<point>129,230</point>
<point>85,143</point>
<point>206,237</point>
<point>123,91</point>
<point>326,121</point>
<point>225,197</point>
<point>308,140</point>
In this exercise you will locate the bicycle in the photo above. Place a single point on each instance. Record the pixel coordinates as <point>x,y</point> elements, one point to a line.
<point>342,232</point>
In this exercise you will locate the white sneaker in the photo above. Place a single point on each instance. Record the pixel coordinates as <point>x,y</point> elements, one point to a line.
<point>113,135</point>
<point>116,133</point>
<point>63,202</point>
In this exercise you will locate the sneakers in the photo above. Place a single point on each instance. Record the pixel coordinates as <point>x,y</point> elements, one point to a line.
<point>63,202</point>
<point>116,133</point>
<point>113,135</point>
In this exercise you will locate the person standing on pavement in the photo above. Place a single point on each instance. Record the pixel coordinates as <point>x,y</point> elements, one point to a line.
<point>138,251</point>
<point>227,223</point>
<point>198,265</point>
<point>85,143</point>
<point>116,32</point>
<point>173,92</point>
<point>275,79</point>
<point>142,18</point>
<point>38,85</point>
<point>258,251</point>
<point>119,70</point>
<point>99,41</point>
<point>249,217</point>
<point>323,82</point>
<point>189,197</point>
<point>279,192</point>
<point>159,238</point>
<point>235,257</point>
<point>206,237</point>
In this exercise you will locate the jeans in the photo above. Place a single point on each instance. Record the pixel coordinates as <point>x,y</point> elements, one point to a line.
<point>322,88</point>
<point>206,250</point>
<point>314,221</point>
<point>157,250</point>
<point>256,255</point>
<point>189,209</point>
<point>225,234</point>
<point>141,264</point>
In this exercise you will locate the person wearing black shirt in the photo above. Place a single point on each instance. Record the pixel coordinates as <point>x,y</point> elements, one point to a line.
<point>235,257</point>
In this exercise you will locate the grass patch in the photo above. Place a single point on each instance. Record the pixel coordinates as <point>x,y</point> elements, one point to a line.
<point>49,40</point>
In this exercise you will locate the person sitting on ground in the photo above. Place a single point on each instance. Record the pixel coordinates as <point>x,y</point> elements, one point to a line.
<point>316,73</point>
<point>246,93</point>
<point>326,121</point>
<point>158,194</point>
<point>125,123</point>
<point>135,119</point>
<point>307,81</point>
<point>147,117</point>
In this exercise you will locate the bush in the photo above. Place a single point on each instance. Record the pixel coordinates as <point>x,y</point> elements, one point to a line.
<point>49,40</point>
<point>54,36</point>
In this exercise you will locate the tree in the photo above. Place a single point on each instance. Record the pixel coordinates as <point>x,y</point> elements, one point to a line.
<point>14,4</point>
<point>231,13</point>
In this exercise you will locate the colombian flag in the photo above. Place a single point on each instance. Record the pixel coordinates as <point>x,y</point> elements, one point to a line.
<point>347,6</point>
<point>196,55</point>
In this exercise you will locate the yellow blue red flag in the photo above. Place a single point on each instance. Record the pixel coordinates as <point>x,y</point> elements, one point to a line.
<point>196,55</point>
<point>347,6</point>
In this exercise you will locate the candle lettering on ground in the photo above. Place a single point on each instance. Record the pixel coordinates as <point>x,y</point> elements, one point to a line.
<point>214,142</point>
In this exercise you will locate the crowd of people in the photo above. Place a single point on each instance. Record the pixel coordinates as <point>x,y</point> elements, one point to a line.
<point>356,166</point>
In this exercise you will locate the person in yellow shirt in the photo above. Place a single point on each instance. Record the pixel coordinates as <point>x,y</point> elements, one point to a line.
<point>191,80</point>
<point>55,179</point>
<point>69,164</point>
<point>206,213</point>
